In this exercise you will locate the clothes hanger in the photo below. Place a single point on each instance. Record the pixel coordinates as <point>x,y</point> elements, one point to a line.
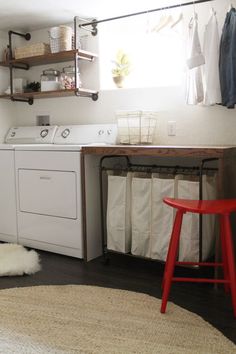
<point>194,11</point>
<point>213,11</point>
<point>194,17</point>
<point>179,19</point>
<point>147,22</point>
<point>165,20</point>
<point>231,6</point>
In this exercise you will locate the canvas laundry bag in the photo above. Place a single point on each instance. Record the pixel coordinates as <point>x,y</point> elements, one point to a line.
<point>189,237</point>
<point>119,213</point>
<point>209,227</point>
<point>141,215</point>
<point>162,216</point>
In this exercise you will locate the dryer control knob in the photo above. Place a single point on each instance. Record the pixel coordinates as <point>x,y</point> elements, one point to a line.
<point>101,132</point>
<point>44,133</point>
<point>65,133</point>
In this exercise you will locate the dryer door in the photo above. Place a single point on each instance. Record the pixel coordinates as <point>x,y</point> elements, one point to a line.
<point>46,192</point>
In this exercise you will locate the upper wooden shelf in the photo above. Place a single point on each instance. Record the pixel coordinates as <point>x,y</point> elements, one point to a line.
<point>82,92</point>
<point>53,58</point>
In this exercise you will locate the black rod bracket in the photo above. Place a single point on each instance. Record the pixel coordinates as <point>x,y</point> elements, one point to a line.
<point>94,95</point>
<point>93,24</point>
<point>29,100</point>
<point>23,66</point>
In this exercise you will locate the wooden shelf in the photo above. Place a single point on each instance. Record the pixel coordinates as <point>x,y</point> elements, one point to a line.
<point>51,94</point>
<point>25,63</point>
<point>51,58</point>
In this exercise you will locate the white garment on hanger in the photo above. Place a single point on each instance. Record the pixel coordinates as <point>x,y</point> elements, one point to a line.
<point>212,93</point>
<point>195,93</point>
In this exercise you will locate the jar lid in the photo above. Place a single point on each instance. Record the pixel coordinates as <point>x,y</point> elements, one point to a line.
<point>51,72</point>
<point>69,69</point>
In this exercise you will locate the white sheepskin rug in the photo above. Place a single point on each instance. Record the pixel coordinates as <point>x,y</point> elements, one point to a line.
<point>17,260</point>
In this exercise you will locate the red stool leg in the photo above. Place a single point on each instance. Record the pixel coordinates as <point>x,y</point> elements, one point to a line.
<point>224,254</point>
<point>168,252</point>
<point>171,259</point>
<point>230,259</point>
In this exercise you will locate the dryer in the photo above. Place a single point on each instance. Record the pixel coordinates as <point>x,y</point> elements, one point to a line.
<point>48,187</point>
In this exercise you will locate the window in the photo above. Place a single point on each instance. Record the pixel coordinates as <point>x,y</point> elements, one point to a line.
<point>156,56</point>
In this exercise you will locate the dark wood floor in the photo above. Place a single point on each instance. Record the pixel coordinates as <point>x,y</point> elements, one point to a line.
<point>136,275</point>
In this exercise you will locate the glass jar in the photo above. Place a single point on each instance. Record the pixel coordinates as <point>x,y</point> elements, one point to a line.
<point>68,78</point>
<point>50,80</point>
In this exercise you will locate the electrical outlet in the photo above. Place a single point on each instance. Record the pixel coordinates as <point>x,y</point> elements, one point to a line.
<point>43,119</point>
<point>171,128</point>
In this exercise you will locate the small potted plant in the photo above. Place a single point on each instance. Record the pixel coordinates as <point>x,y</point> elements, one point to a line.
<point>121,68</point>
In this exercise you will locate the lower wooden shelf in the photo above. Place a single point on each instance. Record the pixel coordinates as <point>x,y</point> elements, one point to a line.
<point>81,92</point>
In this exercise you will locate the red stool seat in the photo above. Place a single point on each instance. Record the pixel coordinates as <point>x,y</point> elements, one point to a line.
<point>223,208</point>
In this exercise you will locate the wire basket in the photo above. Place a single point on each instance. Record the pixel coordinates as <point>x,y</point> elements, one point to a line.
<point>136,127</point>
<point>60,38</point>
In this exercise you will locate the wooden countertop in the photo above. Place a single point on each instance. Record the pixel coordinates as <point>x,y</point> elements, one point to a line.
<point>161,150</point>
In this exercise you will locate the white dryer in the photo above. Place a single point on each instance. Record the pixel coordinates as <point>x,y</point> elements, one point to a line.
<point>48,187</point>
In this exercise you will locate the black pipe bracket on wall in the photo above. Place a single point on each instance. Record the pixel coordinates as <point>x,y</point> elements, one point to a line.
<point>23,66</point>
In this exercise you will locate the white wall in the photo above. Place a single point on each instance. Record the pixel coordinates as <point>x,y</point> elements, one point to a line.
<point>7,109</point>
<point>195,124</point>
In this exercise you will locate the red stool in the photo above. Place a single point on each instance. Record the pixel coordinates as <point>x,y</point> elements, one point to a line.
<point>221,207</point>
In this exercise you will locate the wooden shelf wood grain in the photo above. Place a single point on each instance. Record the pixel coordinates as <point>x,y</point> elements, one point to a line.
<point>51,58</point>
<point>83,92</point>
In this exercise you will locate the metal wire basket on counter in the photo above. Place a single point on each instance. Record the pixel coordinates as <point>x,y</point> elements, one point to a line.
<point>136,127</point>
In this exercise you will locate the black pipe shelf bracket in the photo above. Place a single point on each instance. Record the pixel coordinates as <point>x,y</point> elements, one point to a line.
<point>23,66</point>
<point>93,23</point>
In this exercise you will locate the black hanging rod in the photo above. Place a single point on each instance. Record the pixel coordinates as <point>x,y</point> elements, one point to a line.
<point>95,22</point>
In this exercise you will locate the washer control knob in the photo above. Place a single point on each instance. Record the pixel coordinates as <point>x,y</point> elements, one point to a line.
<point>109,131</point>
<point>44,133</point>
<point>101,132</point>
<point>13,134</point>
<point>65,133</point>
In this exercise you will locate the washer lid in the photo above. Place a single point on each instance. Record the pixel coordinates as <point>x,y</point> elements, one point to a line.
<point>86,134</point>
<point>31,135</point>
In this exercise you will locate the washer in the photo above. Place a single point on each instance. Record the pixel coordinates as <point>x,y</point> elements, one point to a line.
<point>48,185</point>
<point>8,222</point>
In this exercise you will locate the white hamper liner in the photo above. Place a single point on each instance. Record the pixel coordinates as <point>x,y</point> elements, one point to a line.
<point>119,213</point>
<point>141,216</point>
<point>162,216</point>
<point>189,237</point>
<point>209,230</point>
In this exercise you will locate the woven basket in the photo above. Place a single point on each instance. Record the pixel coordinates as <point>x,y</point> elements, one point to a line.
<point>60,38</point>
<point>32,50</point>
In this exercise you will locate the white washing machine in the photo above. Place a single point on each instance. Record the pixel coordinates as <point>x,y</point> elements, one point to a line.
<point>8,222</point>
<point>48,184</point>
<point>8,217</point>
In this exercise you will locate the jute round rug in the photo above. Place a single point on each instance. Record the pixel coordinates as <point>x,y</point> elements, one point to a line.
<point>90,319</point>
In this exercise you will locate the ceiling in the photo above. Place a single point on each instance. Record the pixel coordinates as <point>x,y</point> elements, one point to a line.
<point>36,14</point>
